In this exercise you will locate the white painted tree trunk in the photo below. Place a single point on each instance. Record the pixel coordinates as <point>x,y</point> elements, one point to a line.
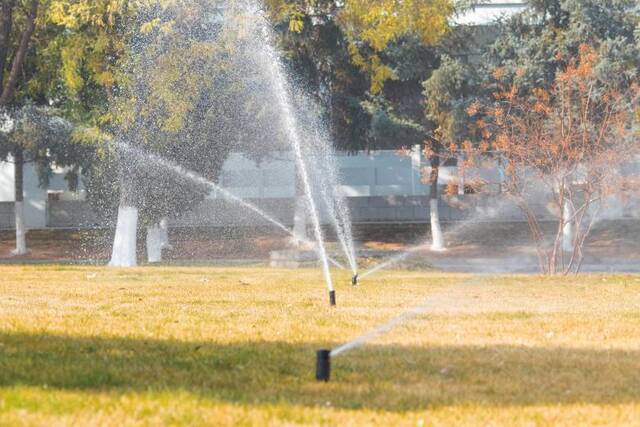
<point>21,230</point>
<point>124,242</point>
<point>300,221</point>
<point>437,242</point>
<point>155,242</point>
<point>460,175</point>
<point>18,183</point>
<point>164,227</point>
<point>567,229</point>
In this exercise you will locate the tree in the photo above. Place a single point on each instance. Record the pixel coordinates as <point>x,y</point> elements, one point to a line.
<point>41,135</point>
<point>448,92</point>
<point>388,41</point>
<point>315,51</point>
<point>537,44</point>
<point>372,26</point>
<point>393,43</point>
<point>9,86</point>
<point>196,89</point>
<point>569,140</point>
<point>35,39</point>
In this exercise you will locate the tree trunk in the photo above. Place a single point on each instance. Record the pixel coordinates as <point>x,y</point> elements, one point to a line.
<point>164,228</point>
<point>154,244</point>
<point>6,97</point>
<point>461,180</point>
<point>124,242</point>
<point>300,213</point>
<point>437,239</point>
<point>21,231</point>
<point>18,61</point>
<point>157,240</point>
<point>568,228</point>
<point>6,22</point>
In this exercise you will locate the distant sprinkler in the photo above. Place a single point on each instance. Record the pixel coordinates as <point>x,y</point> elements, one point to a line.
<point>354,280</point>
<point>332,298</point>
<point>323,365</point>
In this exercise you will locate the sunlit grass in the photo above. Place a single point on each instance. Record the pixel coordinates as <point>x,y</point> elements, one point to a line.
<point>195,345</point>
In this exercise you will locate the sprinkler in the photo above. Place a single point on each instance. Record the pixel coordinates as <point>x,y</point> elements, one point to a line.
<point>332,298</point>
<point>354,280</point>
<point>323,365</point>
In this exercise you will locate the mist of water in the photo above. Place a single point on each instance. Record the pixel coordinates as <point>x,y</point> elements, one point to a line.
<point>333,199</point>
<point>243,99</point>
<point>380,330</point>
<point>477,220</point>
<point>198,179</point>
<point>395,259</point>
<point>275,72</point>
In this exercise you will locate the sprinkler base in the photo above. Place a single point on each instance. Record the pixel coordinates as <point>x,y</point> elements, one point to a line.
<point>332,298</point>
<point>355,280</point>
<point>323,365</point>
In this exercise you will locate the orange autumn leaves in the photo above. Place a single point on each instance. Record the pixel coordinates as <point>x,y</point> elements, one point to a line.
<point>578,118</point>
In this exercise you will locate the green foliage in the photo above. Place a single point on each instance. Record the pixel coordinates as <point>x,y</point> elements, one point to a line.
<point>68,72</point>
<point>449,92</point>
<point>318,57</point>
<point>536,43</point>
<point>193,90</point>
<point>42,134</point>
<point>388,129</point>
<point>372,25</point>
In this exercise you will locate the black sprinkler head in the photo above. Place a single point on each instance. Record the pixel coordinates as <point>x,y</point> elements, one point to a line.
<point>323,365</point>
<point>354,280</point>
<point>332,298</point>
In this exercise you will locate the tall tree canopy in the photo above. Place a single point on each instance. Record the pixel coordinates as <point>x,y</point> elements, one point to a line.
<point>36,37</point>
<point>533,45</point>
<point>388,46</point>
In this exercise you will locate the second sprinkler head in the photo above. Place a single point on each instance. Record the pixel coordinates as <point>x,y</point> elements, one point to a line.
<point>323,365</point>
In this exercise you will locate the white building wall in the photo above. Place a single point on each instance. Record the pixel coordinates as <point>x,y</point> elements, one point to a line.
<point>489,11</point>
<point>7,193</point>
<point>35,196</point>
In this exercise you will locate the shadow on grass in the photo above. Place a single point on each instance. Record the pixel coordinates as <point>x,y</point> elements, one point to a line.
<point>379,377</point>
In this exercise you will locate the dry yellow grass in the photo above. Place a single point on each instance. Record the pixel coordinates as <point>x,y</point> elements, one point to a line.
<point>185,346</point>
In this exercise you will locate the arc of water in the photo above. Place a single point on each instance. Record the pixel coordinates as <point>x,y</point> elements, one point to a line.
<point>226,193</point>
<point>282,92</point>
<point>338,213</point>
<point>231,196</point>
<point>340,224</point>
<point>345,221</point>
<point>500,208</point>
<point>394,259</point>
<point>382,329</point>
<point>431,302</point>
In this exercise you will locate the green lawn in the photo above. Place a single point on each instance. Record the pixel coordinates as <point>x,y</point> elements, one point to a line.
<point>218,346</point>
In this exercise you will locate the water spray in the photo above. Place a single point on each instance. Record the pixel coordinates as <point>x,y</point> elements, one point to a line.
<point>275,69</point>
<point>193,176</point>
<point>394,260</point>
<point>323,357</point>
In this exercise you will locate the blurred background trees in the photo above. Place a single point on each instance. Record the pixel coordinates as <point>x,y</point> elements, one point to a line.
<point>386,74</point>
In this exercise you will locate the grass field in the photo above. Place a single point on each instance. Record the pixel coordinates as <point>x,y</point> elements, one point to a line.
<point>193,346</point>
